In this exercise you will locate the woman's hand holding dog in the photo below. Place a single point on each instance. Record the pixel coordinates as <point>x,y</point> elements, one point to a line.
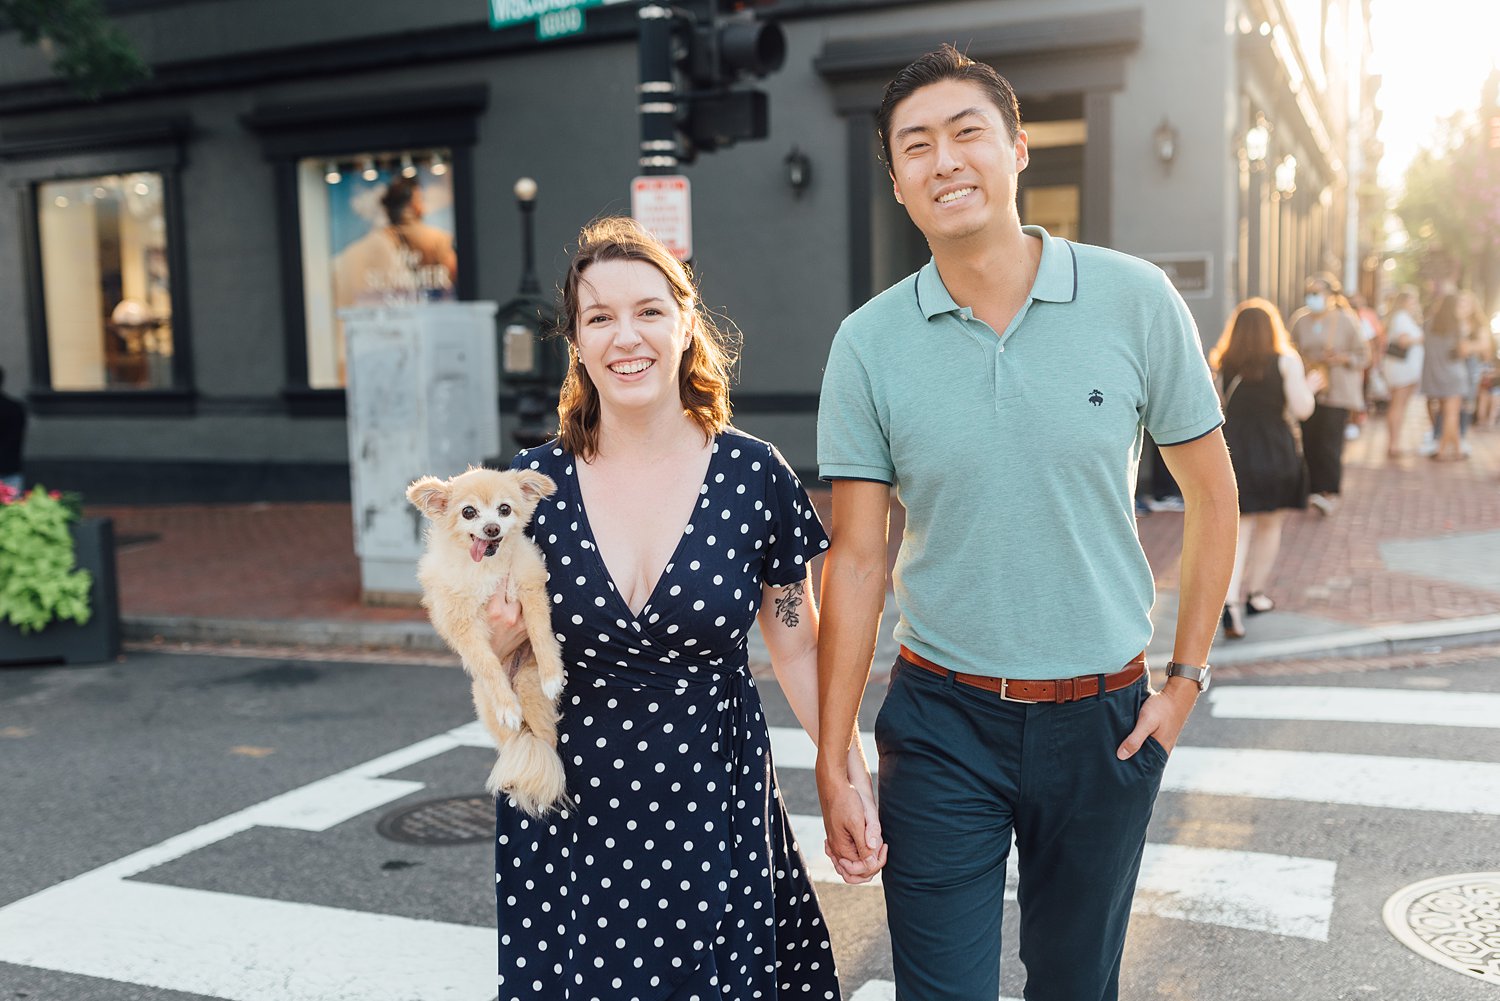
<point>507,628</point>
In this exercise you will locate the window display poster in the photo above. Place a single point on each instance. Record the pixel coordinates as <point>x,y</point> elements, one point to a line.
<point>371,237</point>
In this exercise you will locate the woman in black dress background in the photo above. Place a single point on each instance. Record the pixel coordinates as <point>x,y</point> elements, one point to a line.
<point>1262,383</point>
<point>675,875</point>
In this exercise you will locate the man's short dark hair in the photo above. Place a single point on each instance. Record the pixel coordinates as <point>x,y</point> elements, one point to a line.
<point>946,63</point>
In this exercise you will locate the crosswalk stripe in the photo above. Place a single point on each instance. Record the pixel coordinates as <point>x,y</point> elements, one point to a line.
<point>1357,705</point>
<point>1254,891</point>
<point>104,924</point>
<point>243,948</point>
<point>1432,784</point>
<point>1428,784</point>
<point>791,747</point>
<point>885,990</point>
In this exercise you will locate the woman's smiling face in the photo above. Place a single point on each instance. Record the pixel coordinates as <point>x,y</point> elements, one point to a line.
<point>631,334</point>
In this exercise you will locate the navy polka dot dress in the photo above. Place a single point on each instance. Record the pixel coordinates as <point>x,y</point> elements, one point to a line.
<point>676,876</point>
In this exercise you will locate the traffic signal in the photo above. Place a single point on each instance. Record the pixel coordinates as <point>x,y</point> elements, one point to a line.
<point>714,54</point>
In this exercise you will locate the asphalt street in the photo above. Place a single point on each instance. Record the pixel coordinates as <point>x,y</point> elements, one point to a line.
<point>186,826</point>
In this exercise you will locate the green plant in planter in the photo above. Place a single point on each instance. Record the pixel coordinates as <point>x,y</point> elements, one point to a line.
<point>39,583</point>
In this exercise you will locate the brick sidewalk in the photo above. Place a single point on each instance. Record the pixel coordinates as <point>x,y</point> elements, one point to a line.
<point>1332,567</point>
<point>296,561</point>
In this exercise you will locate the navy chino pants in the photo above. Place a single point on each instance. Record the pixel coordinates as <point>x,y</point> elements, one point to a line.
<point>961,773</point>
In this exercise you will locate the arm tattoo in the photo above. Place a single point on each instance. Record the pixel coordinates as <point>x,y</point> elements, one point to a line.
<point>787,604</point>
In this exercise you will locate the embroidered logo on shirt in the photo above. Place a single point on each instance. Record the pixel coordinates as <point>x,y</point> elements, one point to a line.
<point>1096,398</point>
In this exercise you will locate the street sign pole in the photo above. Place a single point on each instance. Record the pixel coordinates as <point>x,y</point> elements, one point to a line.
<point>656,92</point>
<point>661,198</point>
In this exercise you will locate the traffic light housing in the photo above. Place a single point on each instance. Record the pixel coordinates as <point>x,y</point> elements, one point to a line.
<point>713,55</point>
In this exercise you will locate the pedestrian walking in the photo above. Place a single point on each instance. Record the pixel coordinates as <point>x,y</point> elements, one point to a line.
<point>1451,339</point>
<point>1262,381</point>
<point>1479,356</point>
<point>1373,390</point>
<point>1004,389</point>
<point>1326,334</point>
<point>12,439</point>
<point>1403,362</point>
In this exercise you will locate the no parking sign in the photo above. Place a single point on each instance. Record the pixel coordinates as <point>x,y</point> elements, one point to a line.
<point>664,205</point>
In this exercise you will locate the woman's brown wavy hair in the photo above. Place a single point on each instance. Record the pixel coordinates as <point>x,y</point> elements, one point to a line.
<point>1253,335</point>
<point>703,379</point>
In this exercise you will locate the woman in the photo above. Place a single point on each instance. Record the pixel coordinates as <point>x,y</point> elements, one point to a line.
<point>675,874</point>
<point>1403,362</point>
<point>1445,373</point>
<point>1262,380</point>
<point>1479,351</point>
<point>1326,334</point>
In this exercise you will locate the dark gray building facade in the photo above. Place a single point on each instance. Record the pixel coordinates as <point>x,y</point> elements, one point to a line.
<point>172,258</point>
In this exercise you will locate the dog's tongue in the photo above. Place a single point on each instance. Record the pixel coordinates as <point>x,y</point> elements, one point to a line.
<point>477,548</point>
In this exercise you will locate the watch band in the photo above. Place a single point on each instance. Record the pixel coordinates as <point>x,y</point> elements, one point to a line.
<point>1198,675</point>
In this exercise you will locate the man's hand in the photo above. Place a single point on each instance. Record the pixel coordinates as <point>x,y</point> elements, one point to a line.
<point>853,843</point>
<point>1162,716</point>
<point>507,630</point>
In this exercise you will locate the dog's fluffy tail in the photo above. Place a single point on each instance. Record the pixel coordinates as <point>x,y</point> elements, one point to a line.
<point>531,773</point>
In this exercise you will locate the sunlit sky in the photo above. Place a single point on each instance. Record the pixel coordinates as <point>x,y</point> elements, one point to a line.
<point>1434,56</point>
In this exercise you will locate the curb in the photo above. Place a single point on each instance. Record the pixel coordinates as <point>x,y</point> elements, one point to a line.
<point>290,632</point>
<point>1376,641</point>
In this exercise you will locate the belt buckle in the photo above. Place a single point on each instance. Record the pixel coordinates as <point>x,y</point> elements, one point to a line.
<point>1006,697</point>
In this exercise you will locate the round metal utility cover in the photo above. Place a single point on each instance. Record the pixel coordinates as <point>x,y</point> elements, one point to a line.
<point>456,820</point>
<point>1451,920</point>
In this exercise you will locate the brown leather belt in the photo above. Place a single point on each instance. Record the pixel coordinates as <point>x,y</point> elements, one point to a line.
<point>1016,690</point>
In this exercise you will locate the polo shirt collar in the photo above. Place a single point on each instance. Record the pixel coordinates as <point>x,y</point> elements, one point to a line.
<point>1056,277</point>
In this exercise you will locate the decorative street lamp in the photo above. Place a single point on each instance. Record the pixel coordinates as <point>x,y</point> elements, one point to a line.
<point>530,365</point>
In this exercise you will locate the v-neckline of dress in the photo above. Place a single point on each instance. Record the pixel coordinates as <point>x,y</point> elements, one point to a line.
<point>682,536</point>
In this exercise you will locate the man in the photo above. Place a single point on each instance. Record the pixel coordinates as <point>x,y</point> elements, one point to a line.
<point>1003,390</point>
<point>12,434</point>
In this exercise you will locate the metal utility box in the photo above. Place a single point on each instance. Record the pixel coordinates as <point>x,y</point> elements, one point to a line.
<point>423,389</point>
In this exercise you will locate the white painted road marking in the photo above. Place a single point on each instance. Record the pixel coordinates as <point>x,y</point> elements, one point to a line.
<point>103,924</point>
<point>1351,779</point>
<point>1358,705</point>
<point>1255,891</point>
<point>1433,784</point>
<point>885,990</point>
<point>244,948</point>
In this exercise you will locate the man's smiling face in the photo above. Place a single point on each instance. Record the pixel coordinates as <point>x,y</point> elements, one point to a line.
<point>954,162</point>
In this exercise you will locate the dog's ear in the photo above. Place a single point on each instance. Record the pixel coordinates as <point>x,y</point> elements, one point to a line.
<point>536,485</point>
<point>429,495</point>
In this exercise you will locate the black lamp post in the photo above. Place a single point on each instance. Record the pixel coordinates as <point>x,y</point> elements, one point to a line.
<point>531,365</point>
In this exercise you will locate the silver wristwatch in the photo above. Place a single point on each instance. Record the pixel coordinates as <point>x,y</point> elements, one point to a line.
<point>1197,675</point>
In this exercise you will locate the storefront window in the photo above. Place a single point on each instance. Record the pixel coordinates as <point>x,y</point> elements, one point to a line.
<point>376,228</point>
<point>106,282</point>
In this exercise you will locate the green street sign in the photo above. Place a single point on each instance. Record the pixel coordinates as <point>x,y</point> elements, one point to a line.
<point>559,23</point>
<point>507,13</point>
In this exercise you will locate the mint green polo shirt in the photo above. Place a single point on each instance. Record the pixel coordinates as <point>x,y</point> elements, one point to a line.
<point>1015,455</point>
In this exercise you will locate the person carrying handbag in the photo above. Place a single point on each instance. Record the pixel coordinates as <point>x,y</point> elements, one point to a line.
<point>1264,389</point>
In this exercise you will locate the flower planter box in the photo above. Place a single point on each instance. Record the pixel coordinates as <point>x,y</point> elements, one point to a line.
<point>68,642</point>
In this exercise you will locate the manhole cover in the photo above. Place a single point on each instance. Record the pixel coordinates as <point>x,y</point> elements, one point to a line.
<point>458,820</point>
<point>1451,920</point>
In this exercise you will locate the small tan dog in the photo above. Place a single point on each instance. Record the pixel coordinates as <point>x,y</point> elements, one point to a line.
<point>475,545</point>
